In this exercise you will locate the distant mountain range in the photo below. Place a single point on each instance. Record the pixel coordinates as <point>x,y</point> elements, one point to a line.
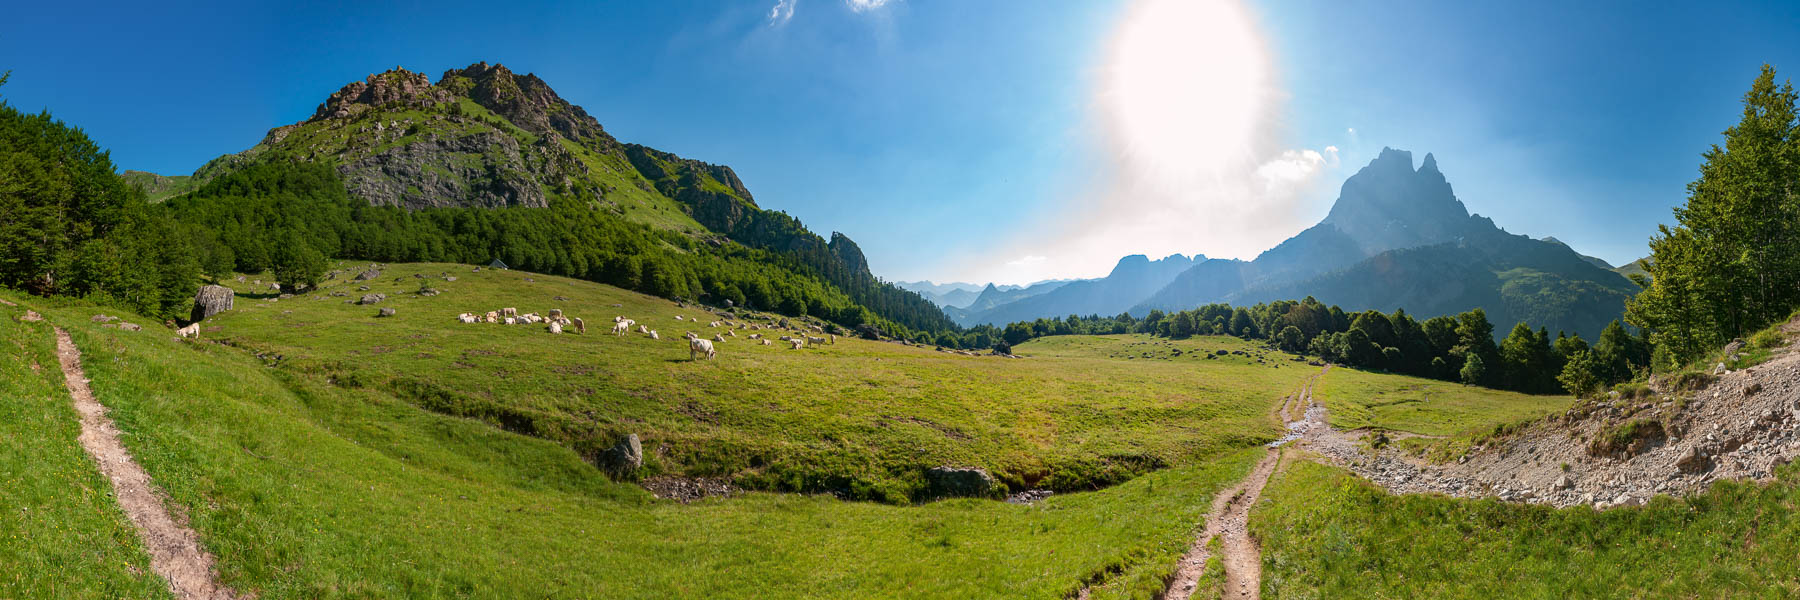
<point>1397,237</point>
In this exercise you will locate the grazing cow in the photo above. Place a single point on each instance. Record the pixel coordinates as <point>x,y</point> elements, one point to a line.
<point>834,338</point>
<point>678,317</point>
<point>654,336</point>
<point>697,346</point>
<point>732,333</point>
<point>768,343</point>
<point>580,327</point>
<point>713,324</point>
<point>192,330</point>
<point>719,338</point>
<point>756,336</point>
<point>493,316</point>
<point>814,340</point>
<point>555,313</point>
<point>620,328</point>
<point>466,318</point>
<point>512,321</point>
<point>797,344</point>
<point>509,312</point>
<point>555,327</point>
<point>618,319</point>
<point>787,338</point>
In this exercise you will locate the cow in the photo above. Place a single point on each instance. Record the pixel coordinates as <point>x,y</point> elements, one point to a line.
<point>768,343</point>
<point>620,328</point>
<point>643,329</point>
<point>678,318</point>
<point>493,317</point>
<point>511,321</point>
<point>192,330</point>
<point>787,338</point>
<point>719,338</point>
<point>797,344</point>
<point>756,336</point>
<point>509,312</point>
<point>697,346</point>
<point>834,338</point>
<point>466,318</point>
<point>814,340</point>
<point>580,327</point>
<point>555,327</point>
<point>732,333</point>
<point>654,336</point>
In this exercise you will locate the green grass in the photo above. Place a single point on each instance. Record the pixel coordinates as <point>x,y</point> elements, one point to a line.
<point>1459,414</point>
<point>1327,534</point>
<point>309,490</point>
<point>858,418</point>
<point>61,532</point>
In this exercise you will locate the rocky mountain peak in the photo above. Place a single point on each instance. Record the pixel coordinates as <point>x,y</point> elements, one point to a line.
<point>526,101</point>
<point>1389,205</point>
<point>394,87</point>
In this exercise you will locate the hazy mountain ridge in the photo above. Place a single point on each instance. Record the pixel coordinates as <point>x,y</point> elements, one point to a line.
<point>1397,237</point>
<point>1131,279</point>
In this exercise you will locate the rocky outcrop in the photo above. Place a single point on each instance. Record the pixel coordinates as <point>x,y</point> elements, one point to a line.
<point>398,88</point>
<point>209,301</point>
<point>527,102</point>
<point>371,298</point>
<point>488,169</point>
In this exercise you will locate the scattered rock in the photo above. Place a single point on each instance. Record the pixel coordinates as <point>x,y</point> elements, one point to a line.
<point>959,482</point>
<point>623,458</point>
<point>371,298</point>
<point>367,275</point>
<point>386,312</point>
<point>130,326</point>
<point>31,316</point>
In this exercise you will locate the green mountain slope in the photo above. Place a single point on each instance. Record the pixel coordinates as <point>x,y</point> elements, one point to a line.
<point>486,137</point>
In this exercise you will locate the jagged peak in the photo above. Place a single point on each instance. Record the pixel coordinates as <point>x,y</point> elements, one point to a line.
<point>1430,164</point>
<point>526,100</point>
<point>1391,158</point>
<point>396,85</point>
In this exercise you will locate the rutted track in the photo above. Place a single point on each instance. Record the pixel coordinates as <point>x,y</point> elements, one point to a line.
<point>175,551</point>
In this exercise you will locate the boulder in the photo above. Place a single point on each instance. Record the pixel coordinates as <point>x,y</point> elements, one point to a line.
<point>1563,483</point>
<point>371,298</point>
<point>623,458</point>
<point>386,312</point>
<point>960,482</point>
<point>367,275</point>
<point>1694,461</point>
<point>130,326</point>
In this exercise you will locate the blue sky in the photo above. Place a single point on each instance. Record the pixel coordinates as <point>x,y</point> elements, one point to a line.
<point>970,140</point>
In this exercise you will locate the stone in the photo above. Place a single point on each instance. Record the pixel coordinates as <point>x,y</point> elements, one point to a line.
<point>451,278</point>
<point>960,482</point>
<point>31,316</point>
<point>1628,500</point>
<point>386,312</point>
<point>209,301</point>
<point>371,298</point>
<point>1733,347</point>
<point>1694,461</point>
<point>1720,369</point>
<point>1563,483</point>
<point>367,275</point>
<point>623,458</point>
<point>130,326</point>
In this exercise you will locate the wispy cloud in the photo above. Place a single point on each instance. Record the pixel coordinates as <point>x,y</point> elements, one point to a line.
<point>865,5</point>
<point>1295,167</point>
<point>782,12</point>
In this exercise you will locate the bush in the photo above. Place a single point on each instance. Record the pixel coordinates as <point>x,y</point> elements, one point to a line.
<point>1768,339</point>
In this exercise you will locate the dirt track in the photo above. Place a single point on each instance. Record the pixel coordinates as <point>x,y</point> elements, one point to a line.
<point>175,551</point>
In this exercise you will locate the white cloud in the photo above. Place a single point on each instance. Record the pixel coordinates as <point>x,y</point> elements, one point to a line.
<point>782,12</point>
<point>1295,167</point>
<point>865,5</point>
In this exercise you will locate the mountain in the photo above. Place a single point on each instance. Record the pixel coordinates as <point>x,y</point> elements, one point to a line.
<point>158,188</point>
<point>962,295</point>
<point>1592,260</point>
<point>1133,278</point>
<point>1398,238</point>
<point>483,136</point>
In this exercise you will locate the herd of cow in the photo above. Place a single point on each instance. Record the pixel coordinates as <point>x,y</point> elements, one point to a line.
<point>698,345</point>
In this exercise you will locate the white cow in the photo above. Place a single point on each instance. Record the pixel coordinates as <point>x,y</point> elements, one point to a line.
<point>718,338</point>
<point>654,336</point>
<point>768,343</point>
<point>797,344</point>
<point>580,327</point>
<point>643,329</point>
<point>509,312</point>
<point>620,328</point>
<point>511,321</point>
<point>678,318</point>
<point>555,327</point>
<point>192,330</point>
<point>756,336</point>
<point>697,346</point>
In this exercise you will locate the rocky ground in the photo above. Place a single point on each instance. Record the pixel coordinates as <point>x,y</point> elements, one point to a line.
<point>1610,452</point>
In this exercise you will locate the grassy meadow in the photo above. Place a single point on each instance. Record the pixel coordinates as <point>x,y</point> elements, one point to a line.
<point>857,418</point>
<point>1327,534</point>
<point>61,533</point>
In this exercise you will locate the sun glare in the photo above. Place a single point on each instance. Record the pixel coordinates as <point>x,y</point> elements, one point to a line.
<point>1184,86</point>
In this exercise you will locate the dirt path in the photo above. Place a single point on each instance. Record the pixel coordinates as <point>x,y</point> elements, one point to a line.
<point>175,551</point>
<point>1229,520</point>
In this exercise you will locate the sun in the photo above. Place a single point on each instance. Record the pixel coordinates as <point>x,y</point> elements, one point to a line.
<point>1184,87</point>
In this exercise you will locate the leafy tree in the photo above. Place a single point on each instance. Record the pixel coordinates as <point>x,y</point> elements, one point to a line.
<point>1729,266</point>
<point>297,265</point>
<point>1291,339</point>
<point>1473,371</point>
<point>1580,375</point>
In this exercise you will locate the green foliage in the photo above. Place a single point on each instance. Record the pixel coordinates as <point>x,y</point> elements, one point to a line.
<point>1581,375</point>
<point>296,263</point>
<point>1474,371</point>
<point>1729,266</point>
<point>70,226</point>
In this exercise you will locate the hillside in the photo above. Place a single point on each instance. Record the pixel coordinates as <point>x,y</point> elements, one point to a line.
<point>485,137</point>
